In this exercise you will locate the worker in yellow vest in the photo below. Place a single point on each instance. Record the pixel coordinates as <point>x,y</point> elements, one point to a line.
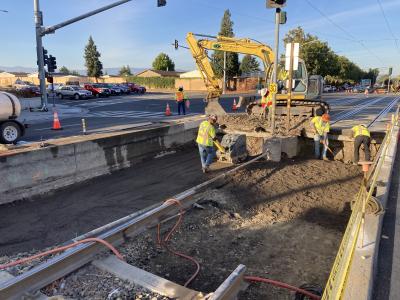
<point>180,98</point>
<point>361,136</point>
<point>321,128</point>
<point>266,98</point>
<point>205,140</point>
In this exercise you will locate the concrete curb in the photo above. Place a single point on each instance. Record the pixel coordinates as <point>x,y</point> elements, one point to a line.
<point>30,173</point>
<point>364,264</point>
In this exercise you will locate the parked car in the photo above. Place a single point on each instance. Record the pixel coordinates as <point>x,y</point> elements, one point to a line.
<point>135,88</point>
<point>328,89</point>
<point>55,87</point>
<point>113,88</point>
<point>358,89</point>
<point>97,90</point>
<point>125,89</point>
<point>73,91</point>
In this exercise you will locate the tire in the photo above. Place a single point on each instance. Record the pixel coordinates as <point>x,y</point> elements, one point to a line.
<point>10,133</point>
<point>77,97</point>
<point>97,95</point>
<point>60,96</point>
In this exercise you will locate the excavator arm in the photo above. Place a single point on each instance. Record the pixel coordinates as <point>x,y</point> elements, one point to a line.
<point>199,48</point>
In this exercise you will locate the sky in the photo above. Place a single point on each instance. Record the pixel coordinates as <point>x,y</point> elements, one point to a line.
<point>135,32</point>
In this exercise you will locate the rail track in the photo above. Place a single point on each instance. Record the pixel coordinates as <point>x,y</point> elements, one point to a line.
<point>116,234</point>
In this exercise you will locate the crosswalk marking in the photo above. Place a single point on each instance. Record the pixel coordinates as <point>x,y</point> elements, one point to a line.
<point>128,114</point>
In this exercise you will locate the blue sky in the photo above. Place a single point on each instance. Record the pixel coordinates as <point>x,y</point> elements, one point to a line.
<point>136,32</point>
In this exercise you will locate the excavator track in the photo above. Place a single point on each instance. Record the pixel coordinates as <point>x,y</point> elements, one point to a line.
<point>308,103</point>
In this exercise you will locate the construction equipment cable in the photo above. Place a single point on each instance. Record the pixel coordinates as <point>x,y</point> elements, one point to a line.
<point>60,249</point>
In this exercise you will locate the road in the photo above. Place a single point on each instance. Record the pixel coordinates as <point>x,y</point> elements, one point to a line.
<point>101,114</point>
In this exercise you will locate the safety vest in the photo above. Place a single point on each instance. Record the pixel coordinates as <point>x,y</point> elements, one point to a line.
<point>206,134</point>
<point>321,126</point>
<point>360,130</point>
<point>266,100</point>
<point>179,96</point>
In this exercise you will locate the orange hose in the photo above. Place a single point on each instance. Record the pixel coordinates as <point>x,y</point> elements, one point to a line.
<point>163,242</point>
<point>283,285</point>
<point>63,248</point>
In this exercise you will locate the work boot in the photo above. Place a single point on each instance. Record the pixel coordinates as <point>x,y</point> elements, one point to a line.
<point>325,158</point>
<point>205,169</point>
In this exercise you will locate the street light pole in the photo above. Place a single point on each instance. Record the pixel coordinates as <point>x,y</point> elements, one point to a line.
<point>275,70</point>
<point>39,52</point>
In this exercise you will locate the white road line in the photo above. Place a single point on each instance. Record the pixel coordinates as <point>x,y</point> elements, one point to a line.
<point>385,111</point>
<point>358,108</point>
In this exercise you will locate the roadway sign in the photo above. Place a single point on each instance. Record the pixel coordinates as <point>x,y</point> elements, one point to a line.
<point>273,88</point>
<point>295,56</point>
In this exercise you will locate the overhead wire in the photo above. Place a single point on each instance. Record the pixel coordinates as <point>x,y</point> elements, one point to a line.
<point>344,30</point>
<point>388,25</point>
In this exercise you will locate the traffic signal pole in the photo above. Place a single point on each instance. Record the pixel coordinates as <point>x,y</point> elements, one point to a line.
<point>42,31</point>
<point>39,52</point>
<point>275,70</point>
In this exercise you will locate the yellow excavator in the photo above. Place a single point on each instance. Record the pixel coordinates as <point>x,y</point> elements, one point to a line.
<point>306,93</point>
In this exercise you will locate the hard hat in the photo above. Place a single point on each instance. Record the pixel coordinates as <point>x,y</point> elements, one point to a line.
<point>264,92</point>
<point>326,117</point>
<point>180,88</point>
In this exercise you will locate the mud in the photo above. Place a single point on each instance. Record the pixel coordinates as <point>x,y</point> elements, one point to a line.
<point>283,221</point>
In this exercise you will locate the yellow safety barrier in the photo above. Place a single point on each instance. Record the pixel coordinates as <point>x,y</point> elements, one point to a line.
<point>340,270</point>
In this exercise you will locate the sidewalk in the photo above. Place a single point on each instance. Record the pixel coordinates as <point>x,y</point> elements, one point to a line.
<point>386,285</point>
<point>34,117</point>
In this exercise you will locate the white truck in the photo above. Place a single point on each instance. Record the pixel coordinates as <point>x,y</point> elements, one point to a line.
<point>11,130</point>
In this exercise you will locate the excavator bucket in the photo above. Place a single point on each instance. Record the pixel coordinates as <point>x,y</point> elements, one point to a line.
<point>214,108</point>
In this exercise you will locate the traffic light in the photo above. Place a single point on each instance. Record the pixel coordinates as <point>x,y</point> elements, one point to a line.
<point>276,3</point>
<point>176,44</point>
<point>52,65</point>
<point>390,71</point>
<point>45,56</point>
<point>161,3</point>
<point>282,17</point>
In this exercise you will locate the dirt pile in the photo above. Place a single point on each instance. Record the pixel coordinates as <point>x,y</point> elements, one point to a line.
<point>283,221</point>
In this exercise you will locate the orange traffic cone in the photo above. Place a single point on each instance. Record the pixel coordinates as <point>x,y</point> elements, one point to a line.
<point>167,110</point>
<point>56,122</point>
<point>234,107</point>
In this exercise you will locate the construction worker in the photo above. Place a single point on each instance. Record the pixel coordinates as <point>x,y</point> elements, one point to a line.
<point>321,129</point>
<point>266,99</point>
<point>361,136</point>
<point>205,140</point>
<point>180,98</point>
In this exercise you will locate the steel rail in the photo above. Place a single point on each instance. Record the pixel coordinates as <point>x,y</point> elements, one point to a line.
<point>386,110</point>
<point>74,258</point>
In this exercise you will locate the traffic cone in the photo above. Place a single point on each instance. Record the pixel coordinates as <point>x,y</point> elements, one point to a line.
<point>167,110</point>
<point>366,92</point>
<point>234,107</point>
<point>56,122</point>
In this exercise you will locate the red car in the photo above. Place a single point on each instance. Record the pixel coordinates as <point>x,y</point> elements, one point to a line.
<point>97,90</point>
<point>133,87</point>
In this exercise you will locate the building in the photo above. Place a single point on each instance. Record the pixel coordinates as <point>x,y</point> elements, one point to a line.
<point>9,78</point>
<point>158,73</point>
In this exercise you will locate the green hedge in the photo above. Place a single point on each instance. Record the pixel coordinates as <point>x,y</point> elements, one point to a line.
<point>154,82</point>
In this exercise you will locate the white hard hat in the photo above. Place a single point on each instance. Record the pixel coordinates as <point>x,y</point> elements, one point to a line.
<point>264,92</point>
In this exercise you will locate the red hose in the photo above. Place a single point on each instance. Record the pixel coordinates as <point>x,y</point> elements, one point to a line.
<point>283,285</point>
<point>163,242</point>
<point>63,248</point>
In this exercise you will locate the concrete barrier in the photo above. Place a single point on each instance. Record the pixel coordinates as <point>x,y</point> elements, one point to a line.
<point>31,173</point>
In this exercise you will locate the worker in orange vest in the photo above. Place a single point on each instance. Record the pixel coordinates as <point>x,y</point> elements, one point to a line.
<point>266,99</point>
<point>180,98</point>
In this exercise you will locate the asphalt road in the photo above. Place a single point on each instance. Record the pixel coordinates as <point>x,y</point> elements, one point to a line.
<point>347,110</point>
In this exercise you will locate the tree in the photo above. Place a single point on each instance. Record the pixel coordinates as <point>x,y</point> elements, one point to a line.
<point>125,71</point>
<point>64,70</point>
<point>163,63</point>
<point>249,64</point>
<point>75,73</point>
<point>94,67</point>
<point>232,59</point>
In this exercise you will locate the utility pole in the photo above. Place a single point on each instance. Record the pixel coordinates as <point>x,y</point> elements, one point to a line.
<point>39,52</point>
<point>224,84</point>
<point>275,70</point>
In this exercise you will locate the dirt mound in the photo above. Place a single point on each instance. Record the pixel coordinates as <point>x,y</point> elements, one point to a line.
<point>283,221</point>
